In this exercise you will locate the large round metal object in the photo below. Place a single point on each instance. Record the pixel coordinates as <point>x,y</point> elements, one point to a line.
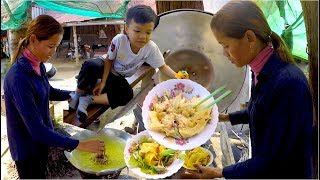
<point>197,64</point>
<point>188,36</point>
<point>86,134</point>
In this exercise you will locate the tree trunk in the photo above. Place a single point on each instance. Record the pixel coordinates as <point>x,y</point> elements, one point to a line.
<point>310,14</point>
<point>163,6</point>
<point>16,35</point>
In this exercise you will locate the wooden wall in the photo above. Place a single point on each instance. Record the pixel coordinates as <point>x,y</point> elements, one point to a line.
<point>163,6</point>
<point>90,34</point>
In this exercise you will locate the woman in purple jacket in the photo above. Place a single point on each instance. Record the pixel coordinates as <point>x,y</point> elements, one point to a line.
<point>27,93</point>
<point>280,110</point>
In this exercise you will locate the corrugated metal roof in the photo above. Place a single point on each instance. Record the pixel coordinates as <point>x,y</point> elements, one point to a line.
<point>66,18</point>
<point>36,11</point>
<point>151,3</point>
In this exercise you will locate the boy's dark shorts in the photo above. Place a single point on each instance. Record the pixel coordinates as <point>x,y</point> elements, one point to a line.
<point>118,90</point>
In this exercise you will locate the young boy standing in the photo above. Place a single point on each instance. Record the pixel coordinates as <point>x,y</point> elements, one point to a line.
<point>127,52</point>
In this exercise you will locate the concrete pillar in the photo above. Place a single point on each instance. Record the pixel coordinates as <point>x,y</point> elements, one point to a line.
<point>75,41</point>
<point>122,28</point>
<point>13,39</point>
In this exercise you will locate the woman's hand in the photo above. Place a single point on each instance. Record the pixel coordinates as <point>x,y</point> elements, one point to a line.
<point>94,146</point>
<point>223,117</point>
<point>98,89</point>
<point>203,172</point>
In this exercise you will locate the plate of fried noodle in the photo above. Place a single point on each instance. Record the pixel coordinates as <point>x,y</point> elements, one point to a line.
<point>170,115</point>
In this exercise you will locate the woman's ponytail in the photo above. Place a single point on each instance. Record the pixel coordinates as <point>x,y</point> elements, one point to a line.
<point>281,48</point>
<point>22,43</point>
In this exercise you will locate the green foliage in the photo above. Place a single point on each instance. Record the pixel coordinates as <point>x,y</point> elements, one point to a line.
<point>285,18</point>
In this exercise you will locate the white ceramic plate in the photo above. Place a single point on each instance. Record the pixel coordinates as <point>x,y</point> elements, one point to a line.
<point>189,89</point>
<point>173,168</point>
